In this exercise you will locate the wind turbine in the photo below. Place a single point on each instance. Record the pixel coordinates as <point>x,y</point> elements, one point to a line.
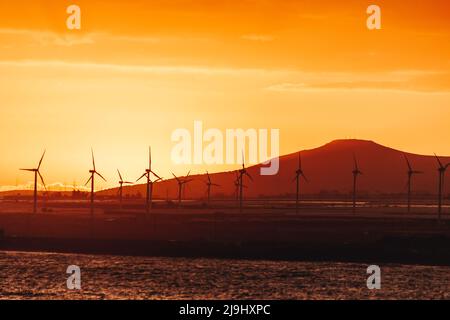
<point>181,183</point>
<point>411,172</point>
<point>209,184</point>
<point>121,183</point>
<point>298,175</point>
<point>356,172</point>
<point>441,170</point>
<point>93,172</point>
<point>36,174</point>
<point>148,172</point>
<point>242,172</point>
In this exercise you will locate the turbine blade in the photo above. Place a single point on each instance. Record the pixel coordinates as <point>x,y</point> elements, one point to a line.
<point>189,172</point>
<point>31,170</point>
<point>248,175</point>
<point>304,177</point>
<point>439,161</point>
<point>40,161</point>
<point>155,174</point>
<point>215,184</point>
<point>295,178</point>
<point>88,181</point>
<point>42,180</point>
<point>178,180</point>
<point>407,162</point>
<point>120,176</point>
<point>93,160</point>
<point>128,182</point>
<point>100,175</point>
<point>145,173</point>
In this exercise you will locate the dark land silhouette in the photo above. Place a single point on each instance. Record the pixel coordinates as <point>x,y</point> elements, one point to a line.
<point>329,171</point>
<point>269,227</point>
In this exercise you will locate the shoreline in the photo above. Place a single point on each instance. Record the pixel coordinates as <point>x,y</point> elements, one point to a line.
<point>433,250</point>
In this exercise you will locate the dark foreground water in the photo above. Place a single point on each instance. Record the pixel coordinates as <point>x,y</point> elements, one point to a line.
<point>43,276</point>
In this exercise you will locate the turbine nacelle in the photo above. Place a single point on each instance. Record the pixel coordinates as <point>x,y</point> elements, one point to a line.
<point>93,171</point>
<point>209,183</point>
<point>36,174</point>
<point>36,170</point>
<point>441,167</point>
<point>410,169</point>
<point>148,172</point>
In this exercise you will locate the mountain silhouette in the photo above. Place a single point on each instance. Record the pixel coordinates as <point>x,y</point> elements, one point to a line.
<point>329,172</point>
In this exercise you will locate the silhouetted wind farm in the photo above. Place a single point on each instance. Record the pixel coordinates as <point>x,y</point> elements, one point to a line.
<point>270,213</point>
<point>237,180</point>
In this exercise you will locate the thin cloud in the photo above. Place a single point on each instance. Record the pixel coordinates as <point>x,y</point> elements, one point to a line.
<point>57,186</point>
<point>352,86</point>
<point>418,81</point>
<point>257,37</point>
<point>49,38</point>
<point>283,80</point>
<point>151,69</point>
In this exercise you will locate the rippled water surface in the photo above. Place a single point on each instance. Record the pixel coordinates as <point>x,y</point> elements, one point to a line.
<point>43,276</point>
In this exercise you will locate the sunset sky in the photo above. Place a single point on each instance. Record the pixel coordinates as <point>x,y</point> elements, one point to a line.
<point>137,70</point>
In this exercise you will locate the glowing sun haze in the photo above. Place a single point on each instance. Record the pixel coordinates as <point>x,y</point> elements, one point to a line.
<point>137,70</point>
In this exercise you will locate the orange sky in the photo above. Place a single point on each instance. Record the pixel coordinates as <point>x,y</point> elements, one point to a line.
<point>140,69</point>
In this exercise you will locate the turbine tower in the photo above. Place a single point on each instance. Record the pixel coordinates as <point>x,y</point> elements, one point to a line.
<point>209,184</point>
<point>356,172</point>
<point>93,172</point>
<point>121,183</point>
<point>148,172</point>
<point>181,184</point>
<point>441,171</point>
<point>411,172</point>
<point>242,172</point>
<point>36,174</point>
<point>298,175</point>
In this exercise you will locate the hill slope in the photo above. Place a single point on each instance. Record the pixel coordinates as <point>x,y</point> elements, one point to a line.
<point>328,168</point>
